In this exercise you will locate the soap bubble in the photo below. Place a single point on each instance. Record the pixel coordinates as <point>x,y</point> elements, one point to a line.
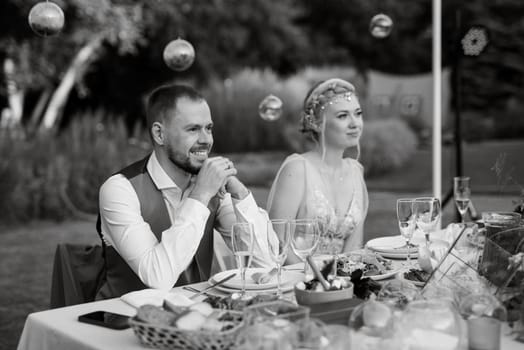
<point>270,109</point>
<point>380,26</point>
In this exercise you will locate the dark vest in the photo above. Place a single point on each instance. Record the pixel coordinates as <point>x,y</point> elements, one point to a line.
<point>120,278</point>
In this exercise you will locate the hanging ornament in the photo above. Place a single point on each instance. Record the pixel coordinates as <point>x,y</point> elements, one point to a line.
<point>380,26</point>
<point>179,55</point>
<point>270,109</point>
<point>46,18</point>
<point>474,42</point>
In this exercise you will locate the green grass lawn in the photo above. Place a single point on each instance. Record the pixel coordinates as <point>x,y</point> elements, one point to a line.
<point>27,251</point>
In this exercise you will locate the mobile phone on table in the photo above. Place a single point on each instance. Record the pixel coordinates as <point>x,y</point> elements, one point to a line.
<point>106,319</point>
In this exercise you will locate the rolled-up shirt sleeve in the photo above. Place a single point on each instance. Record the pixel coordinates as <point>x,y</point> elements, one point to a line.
<point>158,264</point>
<point>246,210</point>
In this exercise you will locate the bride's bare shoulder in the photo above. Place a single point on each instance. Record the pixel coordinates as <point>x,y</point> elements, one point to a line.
<point>293,165</point>
<point>355,163</point>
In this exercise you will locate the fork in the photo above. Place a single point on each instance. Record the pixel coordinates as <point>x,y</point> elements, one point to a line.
<point>194,290</point>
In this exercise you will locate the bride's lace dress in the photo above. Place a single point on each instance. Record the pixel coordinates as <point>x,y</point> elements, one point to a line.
<point>336,228</point>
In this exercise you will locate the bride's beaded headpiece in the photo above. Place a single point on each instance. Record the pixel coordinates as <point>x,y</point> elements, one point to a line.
<point>324,94</point>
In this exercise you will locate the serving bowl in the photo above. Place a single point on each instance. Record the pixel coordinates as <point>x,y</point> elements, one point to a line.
<point>313,297</point>
<point>332,307</point>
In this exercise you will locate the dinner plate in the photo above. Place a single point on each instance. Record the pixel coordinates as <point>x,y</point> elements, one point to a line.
<point>284,287</point>
<point>390,245</point>
<point>387,274</point>
<point>401,276</point>
<point>236,283</point>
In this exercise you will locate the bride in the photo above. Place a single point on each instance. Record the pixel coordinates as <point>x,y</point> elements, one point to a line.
<point>321,184</point>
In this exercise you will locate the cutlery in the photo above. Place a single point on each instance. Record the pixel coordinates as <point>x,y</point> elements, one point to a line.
<point>194,290</point>
<point>223,280</point>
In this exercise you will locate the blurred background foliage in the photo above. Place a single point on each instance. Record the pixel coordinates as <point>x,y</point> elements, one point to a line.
<point>244,51</point>
<point>285,36</point>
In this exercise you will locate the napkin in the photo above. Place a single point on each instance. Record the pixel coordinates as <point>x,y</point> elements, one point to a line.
<point>155,297</point>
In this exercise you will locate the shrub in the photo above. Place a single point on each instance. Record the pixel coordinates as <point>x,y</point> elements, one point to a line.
<point>234,106</point>
<point>53,177</point>
<point>386,145</point>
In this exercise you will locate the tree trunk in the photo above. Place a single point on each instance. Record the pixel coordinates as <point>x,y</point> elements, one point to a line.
<point>39,109</point>
<point>15,96</point>
<point>55,109</point>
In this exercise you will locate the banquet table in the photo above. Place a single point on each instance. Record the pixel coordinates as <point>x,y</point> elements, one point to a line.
<point>59,329</point>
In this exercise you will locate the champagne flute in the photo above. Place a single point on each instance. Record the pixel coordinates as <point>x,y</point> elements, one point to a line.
<point>242,238</point>
<point>406,221</point>
<point>427,214</point>
<point>305,236</point>
<point>462,194</point>
<point>278,246</point>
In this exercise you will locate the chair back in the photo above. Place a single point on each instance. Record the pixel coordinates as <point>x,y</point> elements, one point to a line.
<point>78,272</point>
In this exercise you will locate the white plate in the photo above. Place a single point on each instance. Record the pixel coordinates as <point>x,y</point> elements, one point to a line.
<point>413,255</point>
<point>390,245</point>
<point>285,288</point>
<point>236,283</point>
<point>385,275</point>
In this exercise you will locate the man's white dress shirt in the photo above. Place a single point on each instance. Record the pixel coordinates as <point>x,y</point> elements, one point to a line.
<point>158,264</point>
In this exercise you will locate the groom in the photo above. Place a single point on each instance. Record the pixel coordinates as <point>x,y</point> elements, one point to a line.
<point>157,215</point>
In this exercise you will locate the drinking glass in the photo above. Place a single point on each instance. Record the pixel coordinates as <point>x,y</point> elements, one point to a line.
<point>462,193</point>
<point>427,214</point>
<point>279,246</point>
<point>242,237</point>
<point>304,238</point>
<point>406,222</point>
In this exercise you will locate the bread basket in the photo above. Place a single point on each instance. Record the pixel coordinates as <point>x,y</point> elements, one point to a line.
<point>169,337</point>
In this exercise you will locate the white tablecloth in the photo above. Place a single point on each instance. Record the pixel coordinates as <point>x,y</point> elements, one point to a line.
<point>59,329</point>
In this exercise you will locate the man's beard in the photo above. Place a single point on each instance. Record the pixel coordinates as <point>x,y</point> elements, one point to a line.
<point>183,162</point>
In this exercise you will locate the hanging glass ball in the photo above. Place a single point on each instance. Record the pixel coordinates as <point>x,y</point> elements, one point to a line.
<point>179,55</point>
<point>270,109</point>
<point>380,26</point>
<point>46,18</point>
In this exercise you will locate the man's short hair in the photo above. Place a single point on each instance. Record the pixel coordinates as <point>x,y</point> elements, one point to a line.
<point>164,100</point>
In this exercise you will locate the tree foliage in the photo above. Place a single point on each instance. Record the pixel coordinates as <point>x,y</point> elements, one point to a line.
<point>284,35</point>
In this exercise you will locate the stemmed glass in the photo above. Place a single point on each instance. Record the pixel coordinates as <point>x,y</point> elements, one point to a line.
<point>279,246</point>
<point>406,221</point>
<point>461,193</point>
<point>242,237</point>
<point>304,238</point>
<point>427,214</point>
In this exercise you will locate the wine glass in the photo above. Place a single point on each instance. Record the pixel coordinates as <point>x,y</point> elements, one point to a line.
<point>242,238</point>
<point>304,238</point>
<point>278,246</point>
<point>461,193</point>
<point>427,214</point>
<point>406,221</point>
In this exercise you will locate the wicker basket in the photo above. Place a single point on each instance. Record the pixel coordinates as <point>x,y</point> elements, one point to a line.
<point>166,337</point>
